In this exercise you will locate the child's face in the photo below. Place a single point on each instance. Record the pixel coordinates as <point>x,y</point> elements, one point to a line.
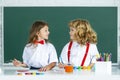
<point>43,33</point>
<point>72,33</point>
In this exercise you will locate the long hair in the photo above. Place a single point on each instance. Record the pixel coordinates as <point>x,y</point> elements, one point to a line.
<point>36,27</point>
<point>84,32</point>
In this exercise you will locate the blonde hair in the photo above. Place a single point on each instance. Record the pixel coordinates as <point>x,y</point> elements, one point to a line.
<point>84,32</point>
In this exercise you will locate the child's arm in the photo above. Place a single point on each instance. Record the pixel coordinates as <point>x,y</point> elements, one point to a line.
<point>48,67</point>
<point>18,63</point>
<point>61,65</point>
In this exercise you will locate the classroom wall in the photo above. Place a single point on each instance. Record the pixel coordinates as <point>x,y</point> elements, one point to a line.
<point>0,36</point>
<point>57,3</point>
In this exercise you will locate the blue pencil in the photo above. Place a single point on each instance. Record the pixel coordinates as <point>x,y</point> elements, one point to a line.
<point>60,59</point>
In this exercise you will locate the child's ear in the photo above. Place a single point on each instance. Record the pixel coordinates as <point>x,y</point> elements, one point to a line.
<point>37,33</point>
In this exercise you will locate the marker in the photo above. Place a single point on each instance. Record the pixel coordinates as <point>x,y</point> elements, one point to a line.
<point>28,73</point>
<point>34,73</point>
<point>104,56</point>
<point>97,56</point>
<point>109,57</point>
<point>79,68</point>
<point>39,73</point>
<point>101,58</point>
<point>88,68</point>
<point>83,67</point>
<point>20,74</point>
<point>75,67</point>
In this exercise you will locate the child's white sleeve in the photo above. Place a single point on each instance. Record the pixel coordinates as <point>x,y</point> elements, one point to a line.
<point>63,56</point>
<point>25,56</point>
<point>53,54</point>
<point>94,53</point>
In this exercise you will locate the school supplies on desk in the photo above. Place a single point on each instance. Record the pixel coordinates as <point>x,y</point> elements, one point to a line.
<point>86,68</point>
<point>82,68</point>
<point>28,72</point>
<point>102,67</point>
<point>103,64</point>
<point>69,68</point>
<point>22,70</point>
<point>105,57</point>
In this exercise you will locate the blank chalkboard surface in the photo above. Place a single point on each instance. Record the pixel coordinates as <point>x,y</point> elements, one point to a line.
<point>18,21</point>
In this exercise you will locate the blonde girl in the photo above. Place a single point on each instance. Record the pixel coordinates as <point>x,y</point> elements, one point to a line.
<point>82,49</point>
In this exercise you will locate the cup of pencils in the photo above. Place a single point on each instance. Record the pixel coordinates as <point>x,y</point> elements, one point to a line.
<point>103,64</point>
<point>105,57</point>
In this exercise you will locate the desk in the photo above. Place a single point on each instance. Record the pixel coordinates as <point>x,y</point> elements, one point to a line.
<point>59,74</point>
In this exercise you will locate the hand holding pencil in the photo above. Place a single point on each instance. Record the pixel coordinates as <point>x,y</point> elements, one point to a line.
<point>17,63</point>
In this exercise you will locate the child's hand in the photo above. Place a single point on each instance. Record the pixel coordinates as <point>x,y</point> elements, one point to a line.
<point>43,69</point>
<point>61,65</point>
<point>48,67</point>
<point>17,63</point>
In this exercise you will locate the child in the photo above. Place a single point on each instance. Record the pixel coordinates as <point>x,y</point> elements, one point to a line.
<point>82,49</point>
<point>38,53</point>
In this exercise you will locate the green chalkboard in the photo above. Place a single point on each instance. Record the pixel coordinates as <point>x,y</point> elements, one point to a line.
<point>18,20</point>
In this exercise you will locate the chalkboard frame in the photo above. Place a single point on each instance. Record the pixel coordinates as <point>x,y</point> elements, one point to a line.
<point>67,23</point>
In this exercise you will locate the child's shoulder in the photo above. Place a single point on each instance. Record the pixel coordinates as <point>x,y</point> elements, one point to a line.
<point>69,43</point>
<point>28,45</point>
<point>49,44</point>
<point>93,45</point>
<point>74,43</point>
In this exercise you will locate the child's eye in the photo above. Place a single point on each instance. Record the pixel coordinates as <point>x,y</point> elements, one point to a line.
<point>71,30</point>
<point>46,30</point>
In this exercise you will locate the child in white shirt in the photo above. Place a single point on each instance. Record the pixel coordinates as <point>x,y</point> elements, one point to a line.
<point>83,41</point>
<point>38,53</point>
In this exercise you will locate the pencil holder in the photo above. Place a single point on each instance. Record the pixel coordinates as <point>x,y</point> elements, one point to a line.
<point>68,68</point>
<point>102,67</point>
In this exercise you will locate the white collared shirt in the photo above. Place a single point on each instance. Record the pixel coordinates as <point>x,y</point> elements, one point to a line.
<point>77,53</point>
<point>40,55</point>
